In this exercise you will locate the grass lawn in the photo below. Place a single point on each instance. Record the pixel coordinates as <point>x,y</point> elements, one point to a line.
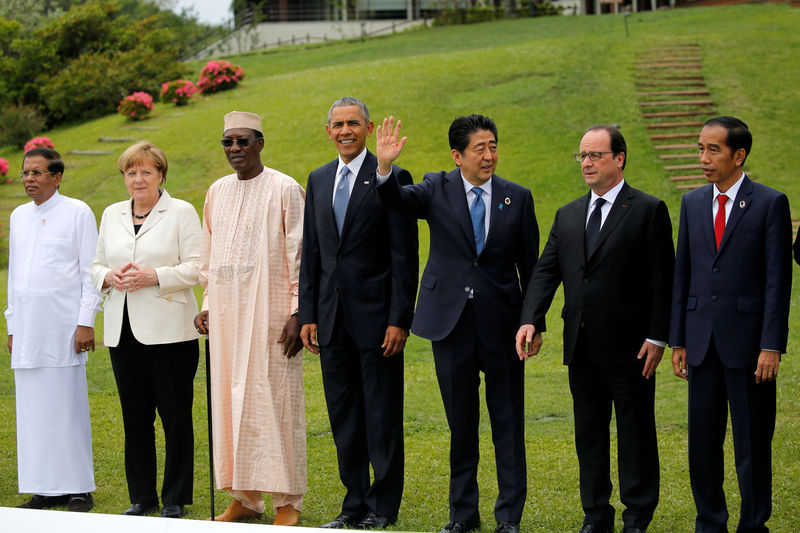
<point>544,81</point>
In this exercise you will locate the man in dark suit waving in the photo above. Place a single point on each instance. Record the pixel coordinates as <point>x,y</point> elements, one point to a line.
<point>358,279</point>
<point>612,250</point>
<point>730,321</point>
<point>483,233</point>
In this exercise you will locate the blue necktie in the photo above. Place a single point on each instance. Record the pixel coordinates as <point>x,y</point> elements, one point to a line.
<point>593,226</point>
<point>477,213</point>
<point>341,198</point>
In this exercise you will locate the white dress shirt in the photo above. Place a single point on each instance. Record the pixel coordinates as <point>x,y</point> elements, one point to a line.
<point>731,194</point>
<point>610,197</point>
<point>486,196</point>
<point>355,167</point>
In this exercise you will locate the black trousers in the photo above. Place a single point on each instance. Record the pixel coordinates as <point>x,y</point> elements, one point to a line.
<point>152,378</point>
<point>460,358</point>
<point>712,388</point>
<point>595,389</point>
<point>364,395</point>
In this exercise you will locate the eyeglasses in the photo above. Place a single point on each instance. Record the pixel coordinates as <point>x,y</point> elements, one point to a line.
<point>244,142</point>
<point>34,173</point>
<point>593,156</point>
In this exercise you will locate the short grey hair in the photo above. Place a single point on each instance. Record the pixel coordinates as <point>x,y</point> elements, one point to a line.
<point>349,100</point>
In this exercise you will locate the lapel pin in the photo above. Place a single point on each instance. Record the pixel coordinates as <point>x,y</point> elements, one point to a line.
<point>742,204</point>
<point>366,182</point>
<point>507,201</point>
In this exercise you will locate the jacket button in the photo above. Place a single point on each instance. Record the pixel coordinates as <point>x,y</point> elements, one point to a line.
<point>169,298</point>
<point>585,281</point>
<point>714,298</point>
<point>715,270</point>
<point>475,264</point>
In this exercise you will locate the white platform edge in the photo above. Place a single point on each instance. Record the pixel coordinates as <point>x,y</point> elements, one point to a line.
<point>15,520</point>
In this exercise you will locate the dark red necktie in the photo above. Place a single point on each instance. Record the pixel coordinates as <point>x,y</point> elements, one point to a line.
<point>719,221</point>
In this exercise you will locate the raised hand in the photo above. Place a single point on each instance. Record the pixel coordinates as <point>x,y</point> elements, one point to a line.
<point>389,144</point>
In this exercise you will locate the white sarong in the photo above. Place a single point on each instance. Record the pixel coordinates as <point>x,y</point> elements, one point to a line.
<point>54,433</point>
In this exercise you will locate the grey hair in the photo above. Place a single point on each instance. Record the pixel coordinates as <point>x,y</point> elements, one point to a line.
<point>349,100</point>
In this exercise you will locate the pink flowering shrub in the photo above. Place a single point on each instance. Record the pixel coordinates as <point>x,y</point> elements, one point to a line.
<point>37,142</point>
<point>4,170</point>
<point>136,106</point>
<point>179,92</point>
<point>219,75</point>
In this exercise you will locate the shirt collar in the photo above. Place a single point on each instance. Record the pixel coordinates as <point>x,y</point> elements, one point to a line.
<point>609,196</point>
<point>730,193</point>
<point>487,187</point>
<point>354,165</point>
<point>49,203</point>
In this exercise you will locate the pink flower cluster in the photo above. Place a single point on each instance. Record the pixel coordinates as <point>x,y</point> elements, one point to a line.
<point>136,106</point>
<point>219,76</point>
<point>37,142</point>
<point>4,170</point>
<point>177,91</point>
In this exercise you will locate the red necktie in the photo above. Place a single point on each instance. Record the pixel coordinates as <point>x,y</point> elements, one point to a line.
<point>719,221</point>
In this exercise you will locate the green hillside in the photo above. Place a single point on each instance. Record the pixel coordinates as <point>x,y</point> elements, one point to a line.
<point>543,80</point>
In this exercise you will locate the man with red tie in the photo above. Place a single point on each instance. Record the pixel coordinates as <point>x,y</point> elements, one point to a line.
<point>730,314</point>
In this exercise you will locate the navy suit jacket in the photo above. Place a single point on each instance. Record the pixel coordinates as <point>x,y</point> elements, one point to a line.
<point>497,276</point>
<point>371,271</point>
<point>739,295</point>
<point>619,295</point>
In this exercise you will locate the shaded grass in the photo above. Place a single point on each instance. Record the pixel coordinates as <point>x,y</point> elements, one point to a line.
<point>544,81</point>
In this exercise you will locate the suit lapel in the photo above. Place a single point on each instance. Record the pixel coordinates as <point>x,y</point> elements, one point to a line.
<point>620,207</point>
<point>457,199</point>
<point>325,194</point>
<point>577,228</point>
<point>740,205</point>
<point>158,212</point>
<point>127,218</point>
<point>707,221</point>
<point>361,187</point>
<point>498,209</point>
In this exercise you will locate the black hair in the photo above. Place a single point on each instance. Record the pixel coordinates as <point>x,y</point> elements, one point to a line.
<point>738,134</point>
<point>54,165</point>
<point>618,144</point>
<point>463,127</point>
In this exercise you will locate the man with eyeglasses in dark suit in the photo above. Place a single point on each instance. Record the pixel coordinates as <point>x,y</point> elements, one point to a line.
<point>612,250</point>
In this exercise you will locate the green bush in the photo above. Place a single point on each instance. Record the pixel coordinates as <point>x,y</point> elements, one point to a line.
<point>79,65</point>
<point>18,123</point>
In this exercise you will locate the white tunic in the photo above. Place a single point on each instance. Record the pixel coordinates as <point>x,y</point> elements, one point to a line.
<point>50,289</point>
<point>50,293</point>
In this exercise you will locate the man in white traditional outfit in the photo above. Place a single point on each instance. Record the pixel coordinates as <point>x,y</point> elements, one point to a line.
<point>249,268</point>
<point>52,305</point>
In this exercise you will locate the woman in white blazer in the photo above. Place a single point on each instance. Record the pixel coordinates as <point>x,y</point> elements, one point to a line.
<point>146,264</point>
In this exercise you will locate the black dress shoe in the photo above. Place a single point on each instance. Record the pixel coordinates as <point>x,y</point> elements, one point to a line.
<point>628,529</point>
<point>137,509</point>
<point>342,521</point>
<point>374,521</point>
<point>44,502</point>
<point>597,528</point>
<point>506,527</point>
<point>80,503</point>
<point>462,527</point>
<point>171,510</point>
